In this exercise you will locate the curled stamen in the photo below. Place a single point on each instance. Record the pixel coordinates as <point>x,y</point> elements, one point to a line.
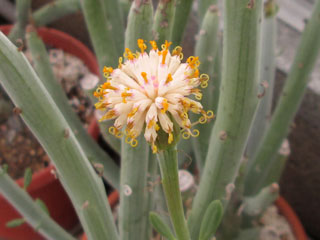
<point>142,45</point>
<point>133,142</point>
<point>154,45</point>
<point>178,52</point>
<point>107,71</point>
<point>128,54</point>
<point>204,84</point>
<point>195,133</point>
<point>166,45</point>
<point>186,134</point>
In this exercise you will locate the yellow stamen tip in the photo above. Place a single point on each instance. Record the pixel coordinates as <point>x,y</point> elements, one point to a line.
<point>144,75</point>
<point>142,45</point>
<point>169,78</point>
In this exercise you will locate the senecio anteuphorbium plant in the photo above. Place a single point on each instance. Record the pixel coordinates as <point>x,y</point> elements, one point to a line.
<point>151,97</point>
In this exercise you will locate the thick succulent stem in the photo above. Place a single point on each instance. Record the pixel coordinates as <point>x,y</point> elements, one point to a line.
<point>164,20</point>
<point>168,162</point>
<point>30,211</point>
<point>133,220</point>
<point>103,42</point>
<point>267,76</point>
<point>23,8</point>
<point>114,22</point>
<point>237,105</point>
<point>134,196</point>
<point>203,6</point>
<point>287,105</point>
<point>139,24</point>
<point>42,116</point>
<point>43,68</point>
<point>206,48</point>
<point>183,9</point>
<point>54,11</point>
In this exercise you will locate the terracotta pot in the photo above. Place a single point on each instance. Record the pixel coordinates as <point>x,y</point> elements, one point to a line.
<point>44,185</point>
<point>296,226</point>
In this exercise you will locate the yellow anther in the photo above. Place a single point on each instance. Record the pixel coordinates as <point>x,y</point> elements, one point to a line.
<point>154,148</point>
<point>120,62</point>
<point>151,123</point>
<point>142,45</point>
<point>154,45</point>
<point>128,54</point>
<point>107,85</point>
<point>166,45</point>
<point>157,127</point>
<point>100,105</point>
<point>125,94</point>
<point>109,115</point>
<point>193,62</point>
<point>177,51</point>
<point>164,55</point>
<point>107,71</point>
<point>170,138</point>
<point>133,112</point>
<point>144,75</point>
<point>195,74</point>
<point>165,106</point>
<point>169,78</point>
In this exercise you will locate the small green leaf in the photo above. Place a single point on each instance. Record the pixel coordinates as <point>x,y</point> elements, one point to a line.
<point>27,178</point>
<point>4,168</point>
<point>211,220</point>
<point>160,226</point>
<point>15,223</point>
<point>42,205</point>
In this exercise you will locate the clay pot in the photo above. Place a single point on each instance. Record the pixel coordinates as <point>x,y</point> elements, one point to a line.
<point>44,185</point>
<point>296,226</point>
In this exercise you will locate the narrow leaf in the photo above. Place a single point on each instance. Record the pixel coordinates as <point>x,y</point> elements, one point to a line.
<point>27,178</point>
<point>211,220</point>
<point>15,223</point>
<point>42,205</point>
<point>160,226</point>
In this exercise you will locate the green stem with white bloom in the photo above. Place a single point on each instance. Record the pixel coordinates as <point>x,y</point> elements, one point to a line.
<point>168,162</point>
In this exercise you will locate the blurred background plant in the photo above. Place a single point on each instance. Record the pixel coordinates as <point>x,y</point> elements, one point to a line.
<point>238,156</point>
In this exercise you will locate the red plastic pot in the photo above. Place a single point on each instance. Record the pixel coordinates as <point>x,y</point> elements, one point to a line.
<point>296,226</point>
<point>44,185</point>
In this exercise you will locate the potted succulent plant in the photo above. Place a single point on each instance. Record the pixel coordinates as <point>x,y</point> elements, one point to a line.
<point>151,97</point>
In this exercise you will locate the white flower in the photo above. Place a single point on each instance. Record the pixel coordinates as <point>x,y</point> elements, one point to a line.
<point>149,91</point>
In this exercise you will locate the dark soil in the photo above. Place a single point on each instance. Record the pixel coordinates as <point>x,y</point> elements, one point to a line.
<point>19,149</point>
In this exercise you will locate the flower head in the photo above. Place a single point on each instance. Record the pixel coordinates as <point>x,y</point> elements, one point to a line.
<point>150,93</point>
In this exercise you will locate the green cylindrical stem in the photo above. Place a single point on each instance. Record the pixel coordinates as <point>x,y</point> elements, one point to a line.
<point>102,40</point>
<point>54,11</point>
<point>183,9</point>
<point>206,48</point>
<point>134,196</point>
<point>42,116</point>
<point>267,76</point>
<point>139,24</point>
<point>288,103</point>
<point>164,20</point>
<point>133,220</point>
<point>114,21</point>
<point>23,8</point>
<point>30,211</point>
<point>203,7</point>
<point>168,162</point>
<point>43,67</point>
<point>237,105</point>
